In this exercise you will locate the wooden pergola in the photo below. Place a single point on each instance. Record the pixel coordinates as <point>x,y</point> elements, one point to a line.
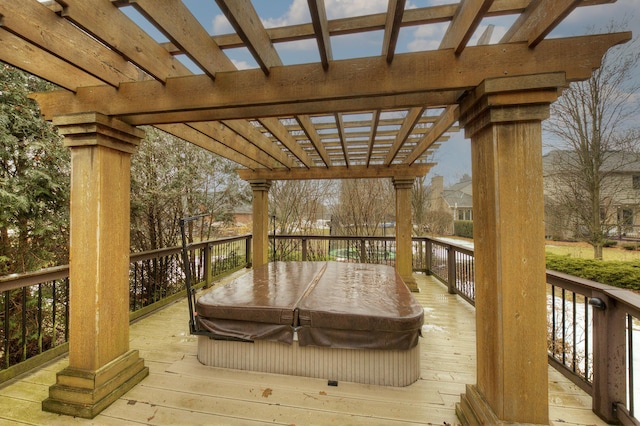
<point>360,117</point>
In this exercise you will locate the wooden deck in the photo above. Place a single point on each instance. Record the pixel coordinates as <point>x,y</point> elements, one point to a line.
<point>179,390</point>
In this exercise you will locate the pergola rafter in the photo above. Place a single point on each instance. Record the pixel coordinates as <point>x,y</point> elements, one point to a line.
<point>131,56</point>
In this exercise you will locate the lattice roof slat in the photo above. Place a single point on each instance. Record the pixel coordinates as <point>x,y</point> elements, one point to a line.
<point>288,118</point>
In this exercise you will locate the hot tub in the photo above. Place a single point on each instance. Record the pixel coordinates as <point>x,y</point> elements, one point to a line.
<point>339,321</point>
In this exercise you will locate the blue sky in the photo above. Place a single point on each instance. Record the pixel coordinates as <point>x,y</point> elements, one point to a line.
<point>453,157</point>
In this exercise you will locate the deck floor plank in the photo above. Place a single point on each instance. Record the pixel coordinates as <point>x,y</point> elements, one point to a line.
<point>180,390</point>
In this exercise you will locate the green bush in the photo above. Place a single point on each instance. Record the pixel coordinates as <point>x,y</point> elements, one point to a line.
<point>609,243</point>
<point>463,228</point>
<point>631,246</point>
<point>615,273</point>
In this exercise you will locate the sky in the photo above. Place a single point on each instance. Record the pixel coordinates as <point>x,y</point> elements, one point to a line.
<point>453,156</point>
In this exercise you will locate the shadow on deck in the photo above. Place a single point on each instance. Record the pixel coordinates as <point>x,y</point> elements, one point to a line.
<point>179,390</point>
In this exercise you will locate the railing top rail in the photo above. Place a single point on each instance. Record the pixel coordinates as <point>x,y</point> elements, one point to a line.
<point>331,237</point>
<point>150,254</point>
<point>14,281</point>
<point>459,248</point>
<point>585,287</point>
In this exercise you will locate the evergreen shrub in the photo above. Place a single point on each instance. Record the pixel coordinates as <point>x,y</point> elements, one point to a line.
<point>463,228</point>
<point>616,273</point>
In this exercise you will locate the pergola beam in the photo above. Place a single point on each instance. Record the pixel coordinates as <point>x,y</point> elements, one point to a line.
<point>448,117</point>
<point>108,24</point>
<point>50,68</point>
<point>307,126</point>
<point>464,24</point>
<point>280,132</point>
<point>395,12</point>
<point>251,94</point>
<point>253,135</point>
<point>339,172</point>
<point>245,20</point>
<point>375,120</point>
<point>413,116</point>
<point>538,20</point>
<point>225,135</point>
<point>176,22</point>
<point>206,142</point>
<point>321,30</point>
<point>64,40</point>
<point>376,22</point>
<point>341,137</point>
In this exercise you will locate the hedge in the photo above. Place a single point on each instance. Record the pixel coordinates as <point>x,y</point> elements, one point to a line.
<point>463,228</point>
<point>616,273</point>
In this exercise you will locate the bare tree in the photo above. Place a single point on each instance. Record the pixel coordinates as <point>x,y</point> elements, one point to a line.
<point>170,179</point>
<point>594,123</point>
<point>297,206</point>
<point>363,206</point>
<point>420,206</point>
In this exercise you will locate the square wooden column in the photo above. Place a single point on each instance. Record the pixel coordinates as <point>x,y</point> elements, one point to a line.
<point>503,119</point>
<point>101,366</point>
<point>260,206</point>
<point>404,252</point>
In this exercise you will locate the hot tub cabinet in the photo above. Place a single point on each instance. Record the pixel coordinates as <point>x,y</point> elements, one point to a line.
<point>337,321</point>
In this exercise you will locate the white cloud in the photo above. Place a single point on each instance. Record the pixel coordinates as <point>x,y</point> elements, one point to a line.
<point>427,37</point>
<point>341,8</point>
<point>298,13</point>
<point>221,25</point>
<point>242,65</point>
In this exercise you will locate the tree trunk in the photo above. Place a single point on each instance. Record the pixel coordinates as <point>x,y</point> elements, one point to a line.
<point>597,251</point>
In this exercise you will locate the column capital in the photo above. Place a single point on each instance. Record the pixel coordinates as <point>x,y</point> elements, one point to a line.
<point>403,182</point>
<point>95,129</point>
<point>260,184</point>
<point>510,99</point>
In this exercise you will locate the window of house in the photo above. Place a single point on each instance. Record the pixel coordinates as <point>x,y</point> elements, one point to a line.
<point>636,182</point>
<point>464,214</point>
<point>625,216</point>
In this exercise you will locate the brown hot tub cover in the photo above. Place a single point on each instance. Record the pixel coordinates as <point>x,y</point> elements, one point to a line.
<point>259,305</point>
<point>355,305</point>
<point>339,305</point>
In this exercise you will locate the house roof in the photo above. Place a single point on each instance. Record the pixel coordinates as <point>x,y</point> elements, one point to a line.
<point>457,199</point>
<point>615,161</point>
<point>373,116</point>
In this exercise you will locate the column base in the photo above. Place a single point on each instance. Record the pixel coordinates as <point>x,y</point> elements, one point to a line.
<point>474,410</point>
<point>412,284</point>
<point>83,393</point>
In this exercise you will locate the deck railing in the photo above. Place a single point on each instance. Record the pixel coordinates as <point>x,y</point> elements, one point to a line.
<point>364,249</point>
<point>340,248</point>
<point>592,328</point>
<point>34,307</point>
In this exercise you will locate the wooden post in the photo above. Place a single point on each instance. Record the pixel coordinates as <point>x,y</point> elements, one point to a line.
<point>101,366</point>
<point>304,249</point>
<point>260,189</point>
<point>451,269</point>
<point>503,119</point>
<point>609,358</point>
<point>247,251</point>
<point>208,265</point>
<point>404,252</point>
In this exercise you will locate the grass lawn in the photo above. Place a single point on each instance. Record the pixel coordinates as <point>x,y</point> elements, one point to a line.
<point>585,251</point>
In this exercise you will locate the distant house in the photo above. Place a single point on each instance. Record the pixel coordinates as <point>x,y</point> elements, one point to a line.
<point>456,200</point>
<point>620,194</point>
<point>243,215</point>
